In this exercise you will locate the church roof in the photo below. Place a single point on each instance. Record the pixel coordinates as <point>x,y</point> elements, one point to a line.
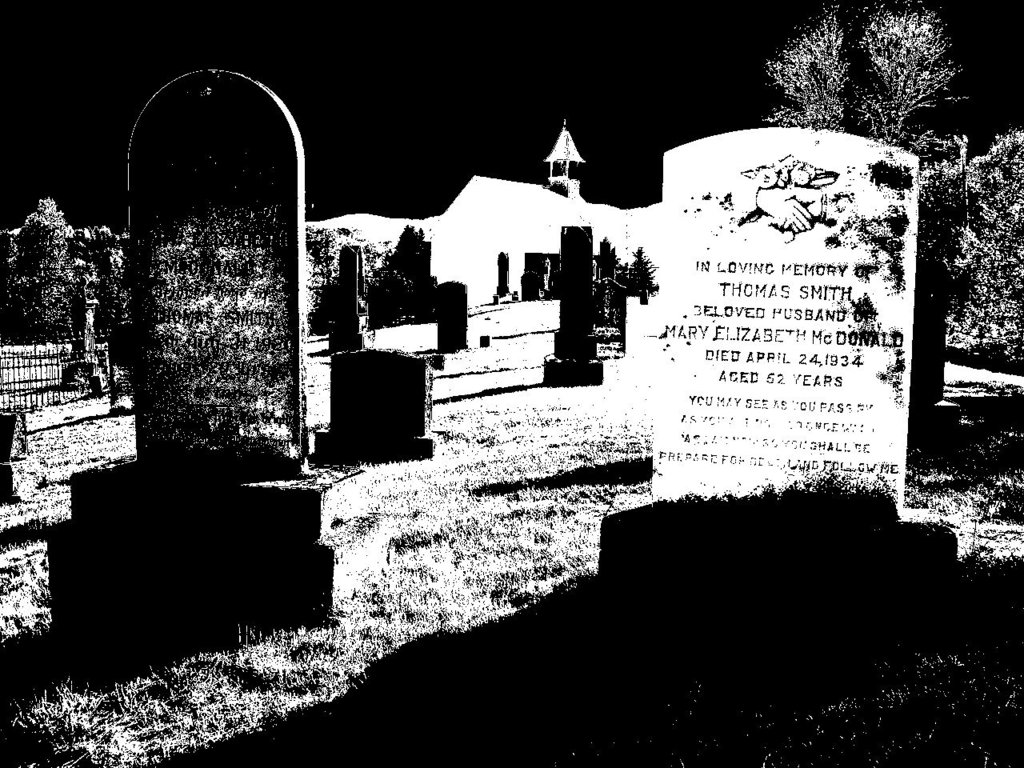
<point>564,149</point>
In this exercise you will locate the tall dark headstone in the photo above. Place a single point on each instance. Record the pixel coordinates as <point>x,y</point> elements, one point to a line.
<point>532,285</point>
<point>575,360</point>
<point>452,312</point>
<point>13,448</point>
<point>606,261</point>
<point>216,184</point>
<point>346,325</point>
<point>610,307</point>
<point>933,419</point>
<point>381,408</point>
<point>84,362</point>
<point>85,323</point>
<point>502,275</point>
<point>217,208</point>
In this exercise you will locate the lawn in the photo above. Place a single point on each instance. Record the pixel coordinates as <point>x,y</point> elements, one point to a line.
<point>507,510</point>
<point>499,527</point>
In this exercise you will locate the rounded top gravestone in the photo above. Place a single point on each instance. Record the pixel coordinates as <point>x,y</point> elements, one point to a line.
<point>216,185</point>
<point>785,314</point>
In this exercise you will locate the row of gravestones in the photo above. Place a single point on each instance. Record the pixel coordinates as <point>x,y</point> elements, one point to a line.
<point>216,525</point>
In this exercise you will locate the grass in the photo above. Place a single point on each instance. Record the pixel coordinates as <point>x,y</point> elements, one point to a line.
<point>425,547</point>
<point>480,542</point>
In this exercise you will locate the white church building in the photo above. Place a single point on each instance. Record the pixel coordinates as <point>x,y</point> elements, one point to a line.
<point>492,216</point>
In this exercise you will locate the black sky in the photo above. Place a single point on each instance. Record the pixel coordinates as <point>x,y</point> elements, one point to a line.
<point>397,112</point>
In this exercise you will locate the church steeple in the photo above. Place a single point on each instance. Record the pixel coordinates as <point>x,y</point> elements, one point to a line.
<point>560,165</point>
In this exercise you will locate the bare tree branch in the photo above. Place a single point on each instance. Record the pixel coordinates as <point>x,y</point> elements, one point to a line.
<point>908,71</point>
<point>812,74</point>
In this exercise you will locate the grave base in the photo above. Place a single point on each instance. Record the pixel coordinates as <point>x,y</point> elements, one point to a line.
<point>352,342</point>
<point>8,486</point>
<point>150,560</point>
<point>747,587</point>
<point>573,373</point>
<point>933,425</point>
<point>434,360</point>
<point>330,449</point>
<point>79,371</point>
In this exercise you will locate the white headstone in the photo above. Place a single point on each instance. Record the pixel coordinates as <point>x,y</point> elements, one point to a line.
<point>786,266</point>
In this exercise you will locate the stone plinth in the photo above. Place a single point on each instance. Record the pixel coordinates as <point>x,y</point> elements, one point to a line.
<point>381,407</point>
<point>9,483</point>
<point>747,582</point>
<point>210,558</point>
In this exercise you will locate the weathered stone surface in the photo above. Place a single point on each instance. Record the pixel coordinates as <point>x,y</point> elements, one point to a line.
<point>786,311</point>
<point>217,207</point>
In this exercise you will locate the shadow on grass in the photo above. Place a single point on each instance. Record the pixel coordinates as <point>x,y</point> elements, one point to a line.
<point>76,422</point>
<point>988,362</point>
<point>989,440</point>
<point>566,682</point>
<point>519,691</point>
<point>486,393</point>
<point>525,333</point>
<point>628,472</point>
<point>26,533</point>
<point>484,373</point>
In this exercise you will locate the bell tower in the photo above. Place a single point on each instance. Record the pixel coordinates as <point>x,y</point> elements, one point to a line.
<point>563,159</point>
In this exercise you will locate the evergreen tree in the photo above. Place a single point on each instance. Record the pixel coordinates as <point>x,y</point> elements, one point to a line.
<point>45,277</point>
<point>323,249</point>
<point>407,274</point>
<point>640,275</point>
<point>7,252</point>
<point>107,256</point>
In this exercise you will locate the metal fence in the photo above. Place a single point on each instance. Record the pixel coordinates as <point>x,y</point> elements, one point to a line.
<point>36,375</point>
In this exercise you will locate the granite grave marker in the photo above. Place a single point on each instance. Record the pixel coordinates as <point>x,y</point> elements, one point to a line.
<point>575,359</point>
<point>503,290</point>
<point>214,528</point>
<point>780,384</point>
<point>217,206</point>
<point>786,315</point>
<point>346,332</point>
<point>452,313</point>
<point>381,408</point>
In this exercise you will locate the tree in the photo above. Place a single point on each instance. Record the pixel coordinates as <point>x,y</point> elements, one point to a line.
<point>988,311</point>
<point>389,294</point>
<point>903,70</point>
<point>7,252</point>
<point>323,249</point>
<point>640,274</point>
<point>813,74</point>
<point>107,254</point>
<point>908,72</point>
<point>402,285</point>
<point>44,274</point>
